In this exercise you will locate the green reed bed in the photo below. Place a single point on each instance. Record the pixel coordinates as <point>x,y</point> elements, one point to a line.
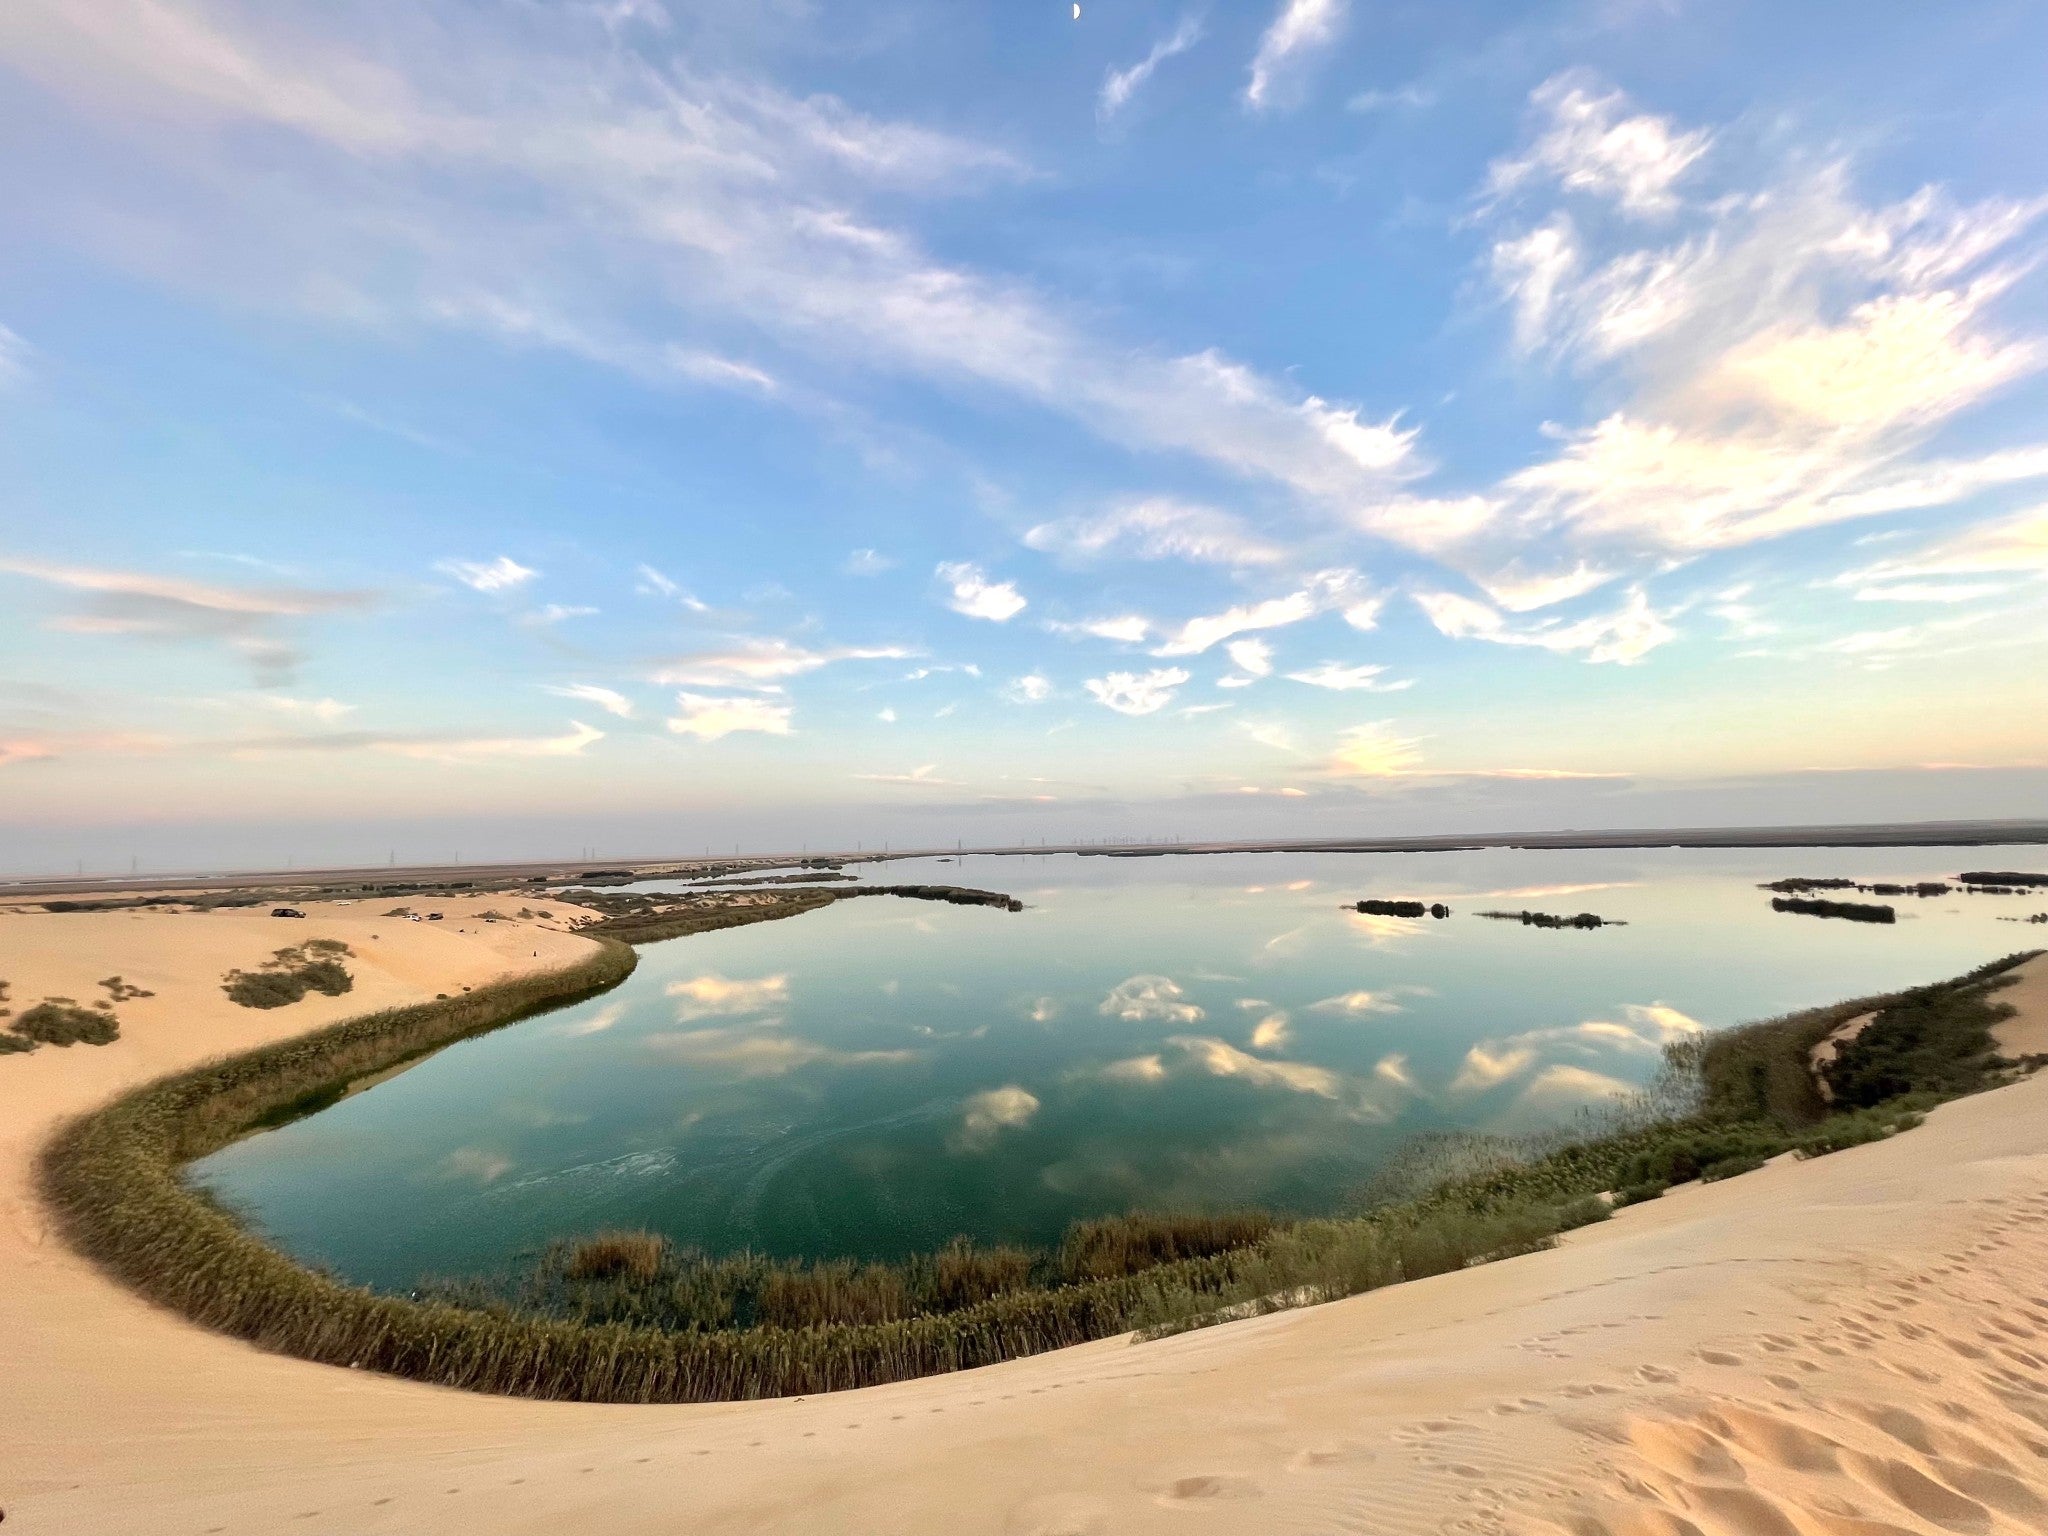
<point>623,1317</point>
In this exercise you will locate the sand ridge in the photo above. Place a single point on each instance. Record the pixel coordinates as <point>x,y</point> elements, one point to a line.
<point>1853,1346</point>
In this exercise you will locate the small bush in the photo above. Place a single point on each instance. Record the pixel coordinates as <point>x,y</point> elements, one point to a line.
<point>62,1022</point>
<point>1636,1194</point>
<point>289,975</point>
<point>618,1255</point>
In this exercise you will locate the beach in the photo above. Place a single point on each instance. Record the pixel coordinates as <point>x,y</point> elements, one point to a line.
<point>1850,1346</point>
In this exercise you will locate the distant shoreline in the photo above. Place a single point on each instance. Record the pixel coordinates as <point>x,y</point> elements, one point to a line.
<point>1905,834</point>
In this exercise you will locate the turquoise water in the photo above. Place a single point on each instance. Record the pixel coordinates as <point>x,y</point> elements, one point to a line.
<point>879,1076</point>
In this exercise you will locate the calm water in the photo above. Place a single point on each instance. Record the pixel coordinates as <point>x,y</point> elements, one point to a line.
<point>879,1076</point>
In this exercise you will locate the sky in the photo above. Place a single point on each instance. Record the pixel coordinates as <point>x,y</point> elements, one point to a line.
<point>521,429</point>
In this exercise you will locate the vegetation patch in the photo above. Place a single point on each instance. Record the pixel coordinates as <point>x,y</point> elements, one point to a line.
<point>2004,877</point>
<point>288,975</point>
<point>1556,920</point>
<point>1854,911</point>
<point>61,1021</point>
<point>1377,907</point>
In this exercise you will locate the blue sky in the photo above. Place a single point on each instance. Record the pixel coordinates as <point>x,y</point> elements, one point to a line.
<point>508,429</point>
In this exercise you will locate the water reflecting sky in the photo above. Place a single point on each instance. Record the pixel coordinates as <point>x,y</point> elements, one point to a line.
<point>879,1076</point>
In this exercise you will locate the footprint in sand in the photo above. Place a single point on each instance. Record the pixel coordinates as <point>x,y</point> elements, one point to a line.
<point>1203,1489</point>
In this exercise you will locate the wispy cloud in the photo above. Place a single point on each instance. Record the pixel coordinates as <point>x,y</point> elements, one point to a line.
<point>1150,999</point>
<point>1323,591</point>
<point>1590,144</point>
<point>1120,85</point>
<point>1626,635</point>
<point>1362,677</point>
<point>986,1115</point>
<point>763,664</point>
<point>249,620</point>
<point>503,574</point>
<point>609,700</point>
<point>1300,30</point>
<point>1156,528</point>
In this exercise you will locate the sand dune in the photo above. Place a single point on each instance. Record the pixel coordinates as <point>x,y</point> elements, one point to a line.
<point>1855,1346</point>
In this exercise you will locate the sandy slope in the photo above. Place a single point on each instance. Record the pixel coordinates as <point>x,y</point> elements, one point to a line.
<point>1855,1346</point>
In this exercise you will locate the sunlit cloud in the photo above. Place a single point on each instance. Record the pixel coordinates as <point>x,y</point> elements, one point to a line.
<point>609,700</point>
<point>708,718</point>
<point>1032,688</point>
<point>764,664</point>
<point>469,749</point>
<point>1152,1000</point>
<point>1127,629</point>
<point>712,996</point>
<point>986,1115</point>
<point>1219,1058</point>
<point>1626,635</point>
<point>1357,1004</point>
<point>1272,1033</point>
<point>924,776</point>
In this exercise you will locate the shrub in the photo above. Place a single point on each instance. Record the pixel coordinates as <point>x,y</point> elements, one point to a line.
<point>615,1255</point>
<point>59,1021</point>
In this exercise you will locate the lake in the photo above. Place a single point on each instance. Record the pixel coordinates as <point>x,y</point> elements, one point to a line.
<point>874,1078</point>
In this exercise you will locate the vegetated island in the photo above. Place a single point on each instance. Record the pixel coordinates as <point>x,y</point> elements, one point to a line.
<point>1971,882</point>
<point>1556,919</point>
<point>1376,907</point>
<point>2001,881</point>
<point>1854,911</point>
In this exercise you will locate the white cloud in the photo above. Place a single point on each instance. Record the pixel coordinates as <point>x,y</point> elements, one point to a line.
<point>867,562</point>
<point>1199,634</point>
<point>1342,679</point>
<point>1300,29</point>
<point>763,664</point>
<point>607,699</point>
<point>974,595</point>
<point>1156,528</point>
<point>1254,658</point>
<point>886,716</point>
<point>1032,688</point>
<point>1530,270</point>
<point>1136,693</point>
<point>1587,146</point>
<point>1120,85</point>
<point>1150,999</point>
<point>708,718</point>
<point>500,575</point>
<point>1127,629</point>
<point>986,1115</point>
<point>1626,635</point>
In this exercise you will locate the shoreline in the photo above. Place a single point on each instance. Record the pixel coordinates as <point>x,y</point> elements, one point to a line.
<point>1927,834</point>
<point>196,1404</point>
